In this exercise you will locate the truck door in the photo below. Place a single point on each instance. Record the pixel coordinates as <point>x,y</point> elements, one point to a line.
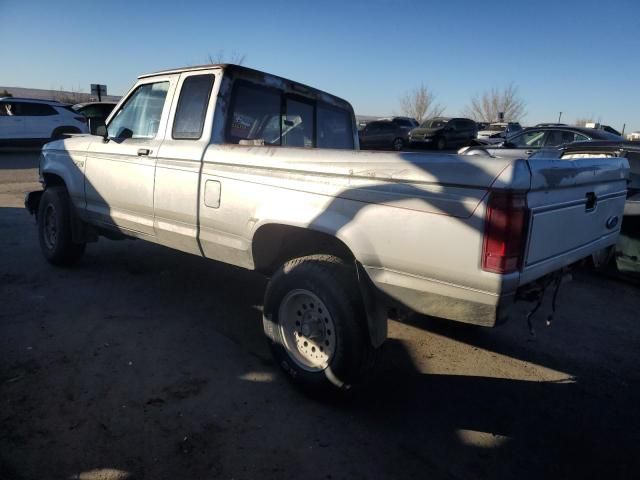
<point>179,159</point>
<point>120,171</point>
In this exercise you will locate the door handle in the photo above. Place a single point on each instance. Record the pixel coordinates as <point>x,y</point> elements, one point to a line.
<point>528,152</point>
<point>143,151</point>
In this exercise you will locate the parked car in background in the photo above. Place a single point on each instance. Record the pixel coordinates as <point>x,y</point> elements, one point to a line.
<point>26,120</point>
<point>606,128</point>
<point>497,132</point>
<point>384,135</point>
<point>95,112</point>
<point>403,121</point>
<point>442,132</point>
<point>530,140</point>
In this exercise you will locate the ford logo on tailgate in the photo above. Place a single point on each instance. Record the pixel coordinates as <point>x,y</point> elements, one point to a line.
<point>612,222</point>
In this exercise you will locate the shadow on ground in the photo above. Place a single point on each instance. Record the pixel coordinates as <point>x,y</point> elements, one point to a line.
<point>149,363</point>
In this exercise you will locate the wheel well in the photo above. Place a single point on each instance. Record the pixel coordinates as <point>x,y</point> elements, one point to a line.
<point>274,244</point>
<point>53,180</point>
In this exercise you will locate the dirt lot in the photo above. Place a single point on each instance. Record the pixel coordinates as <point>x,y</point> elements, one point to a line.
<point>143,362</point>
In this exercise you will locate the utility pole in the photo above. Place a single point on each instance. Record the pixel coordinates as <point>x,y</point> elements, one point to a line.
<point>559,117</point>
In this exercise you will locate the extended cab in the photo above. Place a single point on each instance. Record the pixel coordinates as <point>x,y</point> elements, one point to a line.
<point>251,169</point>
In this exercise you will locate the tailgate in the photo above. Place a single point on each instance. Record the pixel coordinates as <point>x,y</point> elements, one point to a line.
<point>576,209</point>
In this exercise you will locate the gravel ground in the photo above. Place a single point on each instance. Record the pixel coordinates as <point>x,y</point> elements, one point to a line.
<point>143,362</point>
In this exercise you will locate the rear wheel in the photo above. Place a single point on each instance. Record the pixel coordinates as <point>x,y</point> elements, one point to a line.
<point>441,143</point>
<point>54,228</point>
<point>315,321</point>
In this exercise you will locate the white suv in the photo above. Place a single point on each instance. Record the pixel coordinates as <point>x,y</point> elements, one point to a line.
<point>26,120</point>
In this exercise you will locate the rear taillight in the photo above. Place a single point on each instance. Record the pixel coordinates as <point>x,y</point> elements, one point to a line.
<point>81,119</point>
<point>504,232</point>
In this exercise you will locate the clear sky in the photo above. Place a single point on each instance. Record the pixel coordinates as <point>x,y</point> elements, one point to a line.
<point>579,57</point>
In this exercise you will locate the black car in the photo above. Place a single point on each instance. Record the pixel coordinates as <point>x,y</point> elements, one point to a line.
<point>384,134</point>
<point>442,132</point>
<point>403,121</point>
<point>96,112</point>
<point>530,140</point>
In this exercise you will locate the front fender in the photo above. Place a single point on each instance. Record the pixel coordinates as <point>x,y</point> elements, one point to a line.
<point>66,159</point>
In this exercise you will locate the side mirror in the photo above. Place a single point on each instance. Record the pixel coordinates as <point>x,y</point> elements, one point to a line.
<point>101,130</point>
<point>506,144</point>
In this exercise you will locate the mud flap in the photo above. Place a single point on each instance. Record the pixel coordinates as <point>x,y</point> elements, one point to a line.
<point>32,201</point>
<point>376,312</point>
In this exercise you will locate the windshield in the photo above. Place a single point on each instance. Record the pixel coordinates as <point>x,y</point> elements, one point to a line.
<point>435,123</point>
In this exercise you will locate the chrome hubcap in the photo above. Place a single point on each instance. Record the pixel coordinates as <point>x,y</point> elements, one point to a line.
<point>307,330</point>
<point>50,227</point>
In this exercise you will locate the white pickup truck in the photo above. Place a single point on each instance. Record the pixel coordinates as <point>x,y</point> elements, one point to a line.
<point>251,169</point>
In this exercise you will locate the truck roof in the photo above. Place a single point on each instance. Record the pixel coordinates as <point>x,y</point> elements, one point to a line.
<point>264,77</point>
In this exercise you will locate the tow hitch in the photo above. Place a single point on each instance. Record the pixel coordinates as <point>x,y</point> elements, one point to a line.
<point>535,292</point>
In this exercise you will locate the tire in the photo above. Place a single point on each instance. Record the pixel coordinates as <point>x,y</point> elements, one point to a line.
<point>316,325</point>
<point>441,143</point>
<point>54,228</point>
<point>398,144</point>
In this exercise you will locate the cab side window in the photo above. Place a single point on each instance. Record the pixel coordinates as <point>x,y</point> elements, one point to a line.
<point>140,115</point>
<point>192,107</point>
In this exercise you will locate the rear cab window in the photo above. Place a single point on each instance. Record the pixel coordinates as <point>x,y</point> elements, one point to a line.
<point>262,115</point>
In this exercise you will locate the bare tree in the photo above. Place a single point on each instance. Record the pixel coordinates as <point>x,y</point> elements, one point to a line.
<point>486,107</point>
<point>420,103</point>
<point>221,57</point>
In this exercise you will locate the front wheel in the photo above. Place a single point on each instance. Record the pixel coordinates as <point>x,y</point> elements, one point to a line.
<point>398,144</point>
<point>441,143</point>
<point>316,325</point>
<point>54,228</point>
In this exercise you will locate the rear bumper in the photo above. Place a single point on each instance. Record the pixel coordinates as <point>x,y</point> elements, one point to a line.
<point>467,305</point>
